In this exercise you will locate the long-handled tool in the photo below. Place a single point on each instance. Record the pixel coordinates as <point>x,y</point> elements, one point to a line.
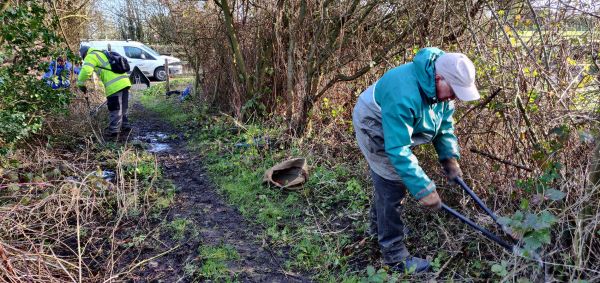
<point>512,246</point>
<point>94,111</point>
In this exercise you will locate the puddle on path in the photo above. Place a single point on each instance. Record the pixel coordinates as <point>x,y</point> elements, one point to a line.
<point>155,141</point>
<point>105,174</point>
<point>158,147</point>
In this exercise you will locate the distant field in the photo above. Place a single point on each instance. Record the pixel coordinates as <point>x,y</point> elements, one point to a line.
<point>567,34</point>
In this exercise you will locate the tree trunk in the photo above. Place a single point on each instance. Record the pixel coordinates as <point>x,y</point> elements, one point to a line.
<point>197,78</point>
<point>238,61</point>
<point>299,126</point>
<point>291,64</point>
<point>289,94</point>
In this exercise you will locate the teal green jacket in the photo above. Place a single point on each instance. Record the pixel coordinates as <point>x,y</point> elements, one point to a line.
<point>411,115</point>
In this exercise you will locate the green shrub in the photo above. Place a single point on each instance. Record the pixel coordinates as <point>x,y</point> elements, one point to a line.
<point>25,99</point>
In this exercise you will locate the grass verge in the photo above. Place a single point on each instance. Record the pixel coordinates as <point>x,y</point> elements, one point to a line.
<point>323,223</point>
<point>320,223</point>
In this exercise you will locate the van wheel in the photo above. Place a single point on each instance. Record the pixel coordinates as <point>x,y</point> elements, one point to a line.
<point>160,74</point>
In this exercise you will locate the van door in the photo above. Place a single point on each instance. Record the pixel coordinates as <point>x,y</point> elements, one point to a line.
<point>140,58</point>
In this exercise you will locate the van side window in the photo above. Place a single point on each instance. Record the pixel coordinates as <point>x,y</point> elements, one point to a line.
<point>136,53</point>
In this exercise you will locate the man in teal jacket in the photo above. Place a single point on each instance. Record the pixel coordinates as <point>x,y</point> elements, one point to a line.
<point>410,105</point>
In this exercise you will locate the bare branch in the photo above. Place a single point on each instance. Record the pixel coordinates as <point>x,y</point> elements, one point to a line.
<point>579,10</point>
<point>474,150</point>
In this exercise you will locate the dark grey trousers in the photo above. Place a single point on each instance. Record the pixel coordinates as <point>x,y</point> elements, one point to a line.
<point>118,106</point>
<point>386,213</point>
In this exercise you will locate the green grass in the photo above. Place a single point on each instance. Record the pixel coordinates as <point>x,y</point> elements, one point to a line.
<point>179,226</point>
<point>288,217</point>
<point>304,219</point>
<point>170,108</point>
<point>175,84</point>
<point>214,262</point>
<point>167,107</point>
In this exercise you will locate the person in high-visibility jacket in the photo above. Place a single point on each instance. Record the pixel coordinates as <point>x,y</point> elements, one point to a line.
<point>58,74</point>
<point>116,87</point>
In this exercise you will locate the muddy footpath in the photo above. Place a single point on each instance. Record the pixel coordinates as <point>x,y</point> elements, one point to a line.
<point>213,222</point>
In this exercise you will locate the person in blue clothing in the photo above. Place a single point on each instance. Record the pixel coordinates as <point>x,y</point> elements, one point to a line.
<point>58,74</point>
<point>410,105</point>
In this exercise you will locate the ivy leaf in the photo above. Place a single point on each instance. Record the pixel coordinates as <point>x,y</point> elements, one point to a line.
<point>379,277</point>
<point>586,137</point>
<point>554,194</point>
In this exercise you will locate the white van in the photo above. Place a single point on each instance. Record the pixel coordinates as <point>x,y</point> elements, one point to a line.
<point>145,58</point>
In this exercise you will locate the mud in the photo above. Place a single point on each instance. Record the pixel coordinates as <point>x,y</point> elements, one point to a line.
<point>214,222</point>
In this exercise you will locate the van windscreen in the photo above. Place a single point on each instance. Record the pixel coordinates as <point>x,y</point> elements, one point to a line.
<point>150,50</point>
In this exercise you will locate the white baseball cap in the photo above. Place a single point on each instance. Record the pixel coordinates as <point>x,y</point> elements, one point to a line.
<point>459,72</point>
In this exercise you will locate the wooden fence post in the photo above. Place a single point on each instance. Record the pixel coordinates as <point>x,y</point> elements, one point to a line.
<point>167,71</point>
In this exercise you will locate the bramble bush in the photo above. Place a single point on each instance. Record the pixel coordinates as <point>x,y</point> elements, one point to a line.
<point>27,41</point>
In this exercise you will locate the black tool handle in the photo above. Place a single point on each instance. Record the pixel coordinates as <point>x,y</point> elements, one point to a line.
<point>476,198</point>
<point>482,205</point>
<point>488,234</point>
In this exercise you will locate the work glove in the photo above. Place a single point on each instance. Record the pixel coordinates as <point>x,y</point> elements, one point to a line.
<point>451,169</point>
<point>83,89</point>
<point>432,201</point>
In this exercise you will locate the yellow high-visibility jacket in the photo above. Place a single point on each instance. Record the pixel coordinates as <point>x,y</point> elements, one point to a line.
<point>96,61</point>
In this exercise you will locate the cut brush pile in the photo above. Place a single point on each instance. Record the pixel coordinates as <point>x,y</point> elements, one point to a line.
<point>62,220</point>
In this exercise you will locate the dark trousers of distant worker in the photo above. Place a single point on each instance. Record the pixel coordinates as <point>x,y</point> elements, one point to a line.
<point>386,220</point>
<point>118,106</point>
